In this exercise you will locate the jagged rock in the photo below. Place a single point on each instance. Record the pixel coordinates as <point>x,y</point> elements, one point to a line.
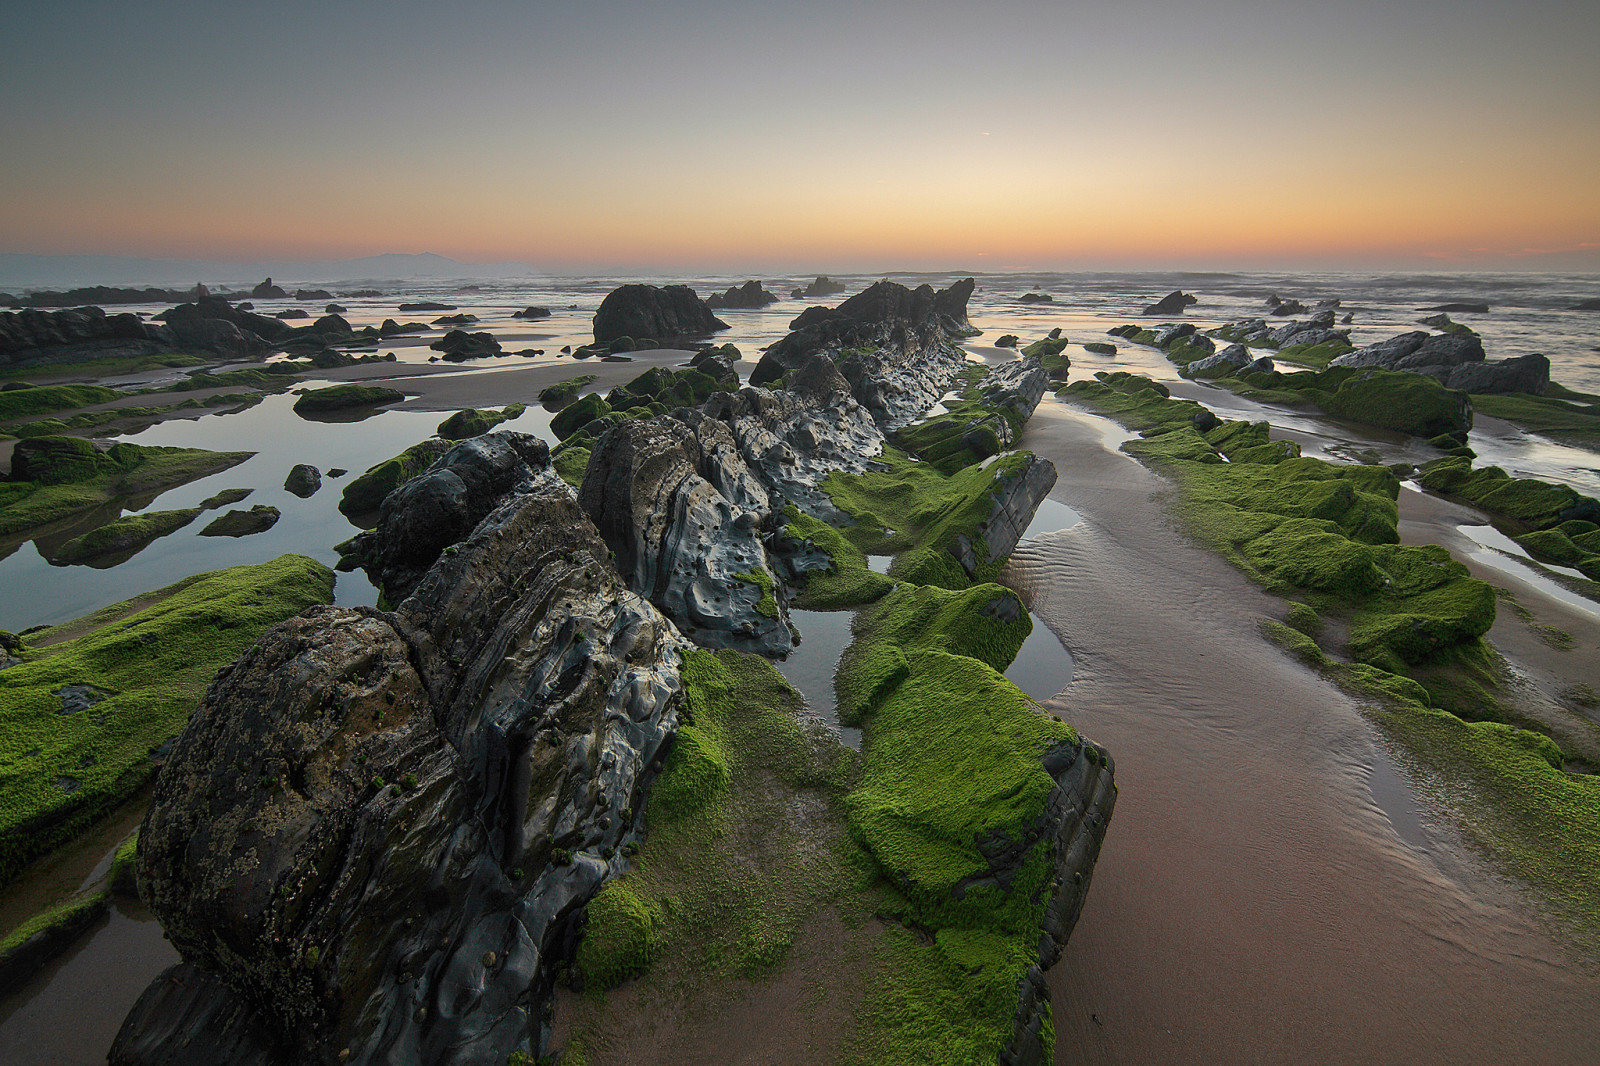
<point>823,287</point>
<point>1288,307</point>
<point>1016,499</point>
<point>1528,374</point>
<point>303,481</point>
<point>379,829</point>
<point>1332,301</point>
<point>749,296</point>
<point>268,291</point>
<point>442,506</point>
<point>391,328</point>
<point>1173,303</point>
<point>678,505</point>
<point>1170,334</point>
<point>455,320</point>
<point>1009,340</point>
<point>661,311</point>
<point>1233,357</point>
<point>1205,421</point>
<point>1264,365</point>
<point>1407,351</point>
<point>458,346</point>
<point>1316,336</point>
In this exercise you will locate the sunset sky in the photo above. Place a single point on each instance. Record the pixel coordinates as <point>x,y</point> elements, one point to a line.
<point>705,134</point>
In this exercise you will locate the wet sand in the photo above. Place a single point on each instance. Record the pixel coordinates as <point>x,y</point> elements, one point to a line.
<point>1253,901</point>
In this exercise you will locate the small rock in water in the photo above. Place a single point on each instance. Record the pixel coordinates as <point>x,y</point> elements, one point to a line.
<point>303,481</point>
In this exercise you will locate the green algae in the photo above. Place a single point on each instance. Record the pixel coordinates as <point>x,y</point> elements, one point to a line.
<point>473,422</point>
<point>121,538</point>
<point>767,606</point>
<point>578,414</point>
<point>570,462</point>
<point>968,433</point>
<point>1316,356</point>
<point>848,581</point>
<point>86,478</point>
<point>140,667</point>
<point>1100,348</point>
<point>365,494</point>
<point>621,937</point>
<point>916,512</point>
<point>1561,414</point>
<point>97,368</point>
<point>345,397</point>
<point>44,399</point>
<point>563,391</point>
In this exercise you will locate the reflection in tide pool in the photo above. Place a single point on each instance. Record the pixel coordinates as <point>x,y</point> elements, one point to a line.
<point>1507,556</point>
<point>810,666</point>
<point>1043,666</point>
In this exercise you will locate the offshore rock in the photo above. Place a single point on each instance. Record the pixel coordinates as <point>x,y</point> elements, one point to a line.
<point>747,297</point>
<point>1172,303</point>
<point>458,346</point>
<point>666,312</point>
<point>442,506</point>
<point>680,508</point>
<point>378,830</point>
<point>37,337</point>
<point>1225,362</point>
<point>1408,351</point>
<point>268,291</point>
<point>822,287</point>
<point>303,481</point>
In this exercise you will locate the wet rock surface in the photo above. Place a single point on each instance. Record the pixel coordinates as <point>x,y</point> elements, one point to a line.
<point>681,510</point>
<point>378,827</point>
<point>1173,303</point>
<point>747,297</point>
<point>303,481</point>
<point>1017,498</point>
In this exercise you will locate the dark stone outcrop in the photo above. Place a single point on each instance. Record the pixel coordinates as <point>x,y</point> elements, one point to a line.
<point>1587,305</point>
<point>1529,374</point>
<point>748,297</point>
<point>1408,351</point>
<point>29,338</point>
<point>292,314</point>
<point>303,481</point>
<point>268,291</point>
<point>425,305</point>
<point>458,346</point>
<point>1173,303</point>
<point>683,513</point>
<point>665,312</point>
<point>532,312</point>
<point>821,288</point>
<point>312,294</point>
<point>1460,308</point>
<point>100,296</point>
<point>1233,357</point>
<point>1035,298</point>
<point>391,328</point>
<point>1284,308</point>
<point>1016,499</point>
<point>379,829</point>
<point>257,519</point>
<point>443,505</point>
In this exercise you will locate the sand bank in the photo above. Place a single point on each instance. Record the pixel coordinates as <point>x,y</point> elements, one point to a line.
<point>1253,902</point>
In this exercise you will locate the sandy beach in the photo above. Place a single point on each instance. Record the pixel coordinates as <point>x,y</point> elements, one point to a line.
<point>1254,902</point>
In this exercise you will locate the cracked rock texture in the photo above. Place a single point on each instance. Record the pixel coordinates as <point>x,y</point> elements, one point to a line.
<point>683,513</point>
<point>379,827</point>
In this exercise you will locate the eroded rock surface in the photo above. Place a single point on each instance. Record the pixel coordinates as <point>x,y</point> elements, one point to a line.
<point>662,312</point>
<point>378,828</point>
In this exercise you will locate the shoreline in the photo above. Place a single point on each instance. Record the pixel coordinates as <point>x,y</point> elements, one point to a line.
<point>1253,901</point>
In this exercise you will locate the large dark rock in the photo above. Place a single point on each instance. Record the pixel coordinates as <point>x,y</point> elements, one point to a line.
<point>442,506</point>
<point>268,291</point>
<point>379,830</point>
<point>1035,298</point>
<point>1172,303</point>
<point>216,308</point>
<point>823,287</point>
<point>678,505</point>
<point>303,481</point>
<point>1016,499</point>
<point>31,337</point>
<point>1529,374</point>
<point>666,312</point>
<point>747,297</point>
<point>458,346</point>
<point>1408,351</point>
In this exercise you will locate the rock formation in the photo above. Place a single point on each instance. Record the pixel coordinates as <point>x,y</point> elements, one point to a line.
<point>378,828</point>
<point>748,297</point>
<point>1172,303</point>
<point>665,312</point>
<point>268,291</point>
<point>458,346</point>
<point>821,288</point>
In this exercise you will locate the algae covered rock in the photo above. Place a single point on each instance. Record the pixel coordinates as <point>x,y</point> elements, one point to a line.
<point>379,830</point>
<point>303,481</point>
<point>1408,403</point>
<point>121,538</point>
<point>365,494</point>
<point>345,397</point>
<point>474,423</point>
<point>257,519</point>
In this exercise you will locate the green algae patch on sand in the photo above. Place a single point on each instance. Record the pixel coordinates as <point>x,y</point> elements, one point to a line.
<point>99,368</point>
<point>917,513</point>
<point>45,399</point>
<point>848,581</point>
<point>1316,356</point>
<point>365,494</point>
<point>81,719</point>
<point>345,397</point>
<point>473,422</point>
<point>1560,414</point>
<point>122,538</point>
<point>745,838</point>
<point>78,477</point>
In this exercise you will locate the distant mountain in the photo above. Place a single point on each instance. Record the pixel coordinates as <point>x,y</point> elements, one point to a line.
<point>19,272</point>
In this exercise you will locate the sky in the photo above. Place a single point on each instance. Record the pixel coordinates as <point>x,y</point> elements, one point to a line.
<point>709,134</point>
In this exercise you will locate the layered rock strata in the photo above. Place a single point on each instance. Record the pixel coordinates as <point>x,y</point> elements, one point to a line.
<point>379,828</point>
